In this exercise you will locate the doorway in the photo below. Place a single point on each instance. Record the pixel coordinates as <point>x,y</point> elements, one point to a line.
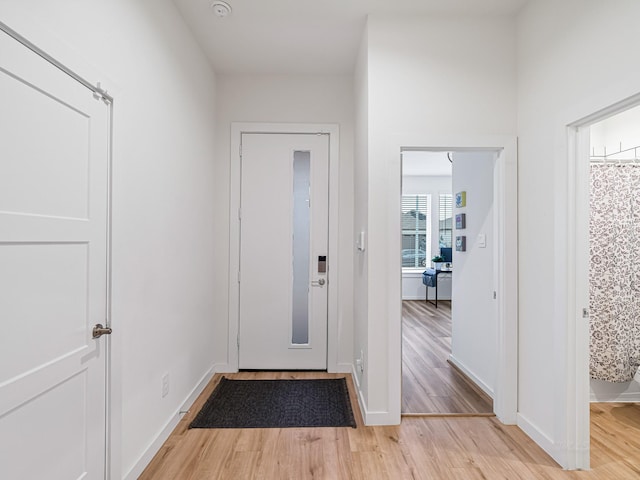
<point>449,320</point>
<point>607,184</point>
<point>323,292</point>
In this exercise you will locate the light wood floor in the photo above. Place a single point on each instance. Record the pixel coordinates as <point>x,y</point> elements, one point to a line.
<point>429,383</point>
<point>420,448</point>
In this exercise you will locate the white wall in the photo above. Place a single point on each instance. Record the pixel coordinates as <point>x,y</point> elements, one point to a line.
<point>360,219</point>
<point>619,132</point>
<point>560,46</point>
<point>474,339</point>
<point>422,184</point>
<point>601,391</point>
<point>433,82</point>
<point>163,181</point>
<point>414,289</point>
<point>284,99</point>
<point>616,133</point>
<point>412,286</point>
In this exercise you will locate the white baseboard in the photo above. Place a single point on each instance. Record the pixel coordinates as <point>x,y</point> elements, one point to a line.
<point>344,368</point>
<point>171,424</point>
<point>224,368</point>
<point>602,391</point>
<point>361,402</point>
<point>561,453</point>
<point>622,397</point>
<point>379,418</point>
<point>483,386</point>
<point>421,297</point>
<point>539,437</point>
<point>370,418</point>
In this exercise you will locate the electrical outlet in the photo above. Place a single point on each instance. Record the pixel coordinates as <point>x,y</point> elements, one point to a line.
<point>165,385</point>
<point>361,361</point>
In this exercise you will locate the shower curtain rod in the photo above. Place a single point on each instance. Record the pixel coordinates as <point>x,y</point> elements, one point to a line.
<point>607,157</point>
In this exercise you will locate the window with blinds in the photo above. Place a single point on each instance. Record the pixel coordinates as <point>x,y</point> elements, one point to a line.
<point>445,224</point>
<point>416,230</point>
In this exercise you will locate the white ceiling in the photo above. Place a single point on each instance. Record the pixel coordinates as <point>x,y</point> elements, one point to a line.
<point>305,36</point>
<point>425,163</point>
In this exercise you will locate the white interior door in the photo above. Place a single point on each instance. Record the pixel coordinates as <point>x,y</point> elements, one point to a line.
<point>53,270</point>
<point>283,251</point>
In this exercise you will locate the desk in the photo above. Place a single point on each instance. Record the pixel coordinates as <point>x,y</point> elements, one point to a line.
<point>430,279</point>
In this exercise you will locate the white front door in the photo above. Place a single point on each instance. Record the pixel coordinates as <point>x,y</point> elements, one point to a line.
<point>284,203</point>
<point>53,270</point>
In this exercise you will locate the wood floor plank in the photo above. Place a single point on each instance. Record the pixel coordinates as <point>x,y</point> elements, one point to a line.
<point>611,423</point>
<point>430,384</point>
<point>420,448</point>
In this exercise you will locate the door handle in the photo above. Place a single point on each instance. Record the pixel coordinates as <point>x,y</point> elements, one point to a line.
<point>99,330</point>
<point>318,283</point>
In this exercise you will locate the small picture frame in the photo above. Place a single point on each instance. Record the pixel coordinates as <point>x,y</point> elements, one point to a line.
<point>461,199</point>
<point>461,244</point>
<point>461,221</point>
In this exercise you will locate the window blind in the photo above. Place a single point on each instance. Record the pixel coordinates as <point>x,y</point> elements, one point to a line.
<point>416,230</point>
<point>445,217</point>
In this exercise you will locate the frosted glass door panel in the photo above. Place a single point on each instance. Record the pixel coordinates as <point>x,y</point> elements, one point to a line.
<point>301,260</point>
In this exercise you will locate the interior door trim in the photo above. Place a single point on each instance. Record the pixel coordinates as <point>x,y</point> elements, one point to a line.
<point>96,89</point>
<point>237,130</point>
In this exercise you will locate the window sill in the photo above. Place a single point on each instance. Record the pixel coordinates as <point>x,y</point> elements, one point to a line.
<point>413,272</point>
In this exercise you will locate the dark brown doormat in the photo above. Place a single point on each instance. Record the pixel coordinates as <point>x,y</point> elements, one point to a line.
<point>277,404</point>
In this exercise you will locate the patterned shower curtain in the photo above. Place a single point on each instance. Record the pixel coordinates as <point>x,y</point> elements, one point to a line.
<point>614,273</point>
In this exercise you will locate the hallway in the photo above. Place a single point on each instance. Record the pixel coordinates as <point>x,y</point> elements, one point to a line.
<point>519,77</point>
<point>430,384</point>
<point>419,448</point>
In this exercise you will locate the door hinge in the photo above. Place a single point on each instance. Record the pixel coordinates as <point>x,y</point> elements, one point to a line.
<point>238,341</point>
<point>100,93</point>
<point>238,276</point>
<point>240,214</point>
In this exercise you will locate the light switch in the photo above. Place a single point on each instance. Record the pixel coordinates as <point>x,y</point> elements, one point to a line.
<point>482,241</point>
<point>360,243</point>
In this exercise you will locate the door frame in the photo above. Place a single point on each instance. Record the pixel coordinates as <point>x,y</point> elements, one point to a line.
<point>577,282</point>
<point>497,267</point>
<point>112,345</point>
<point>506,218</point>
<point>237,130</point>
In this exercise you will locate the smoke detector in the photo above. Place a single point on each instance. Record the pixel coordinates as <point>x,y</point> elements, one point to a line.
<point>221,9</point>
